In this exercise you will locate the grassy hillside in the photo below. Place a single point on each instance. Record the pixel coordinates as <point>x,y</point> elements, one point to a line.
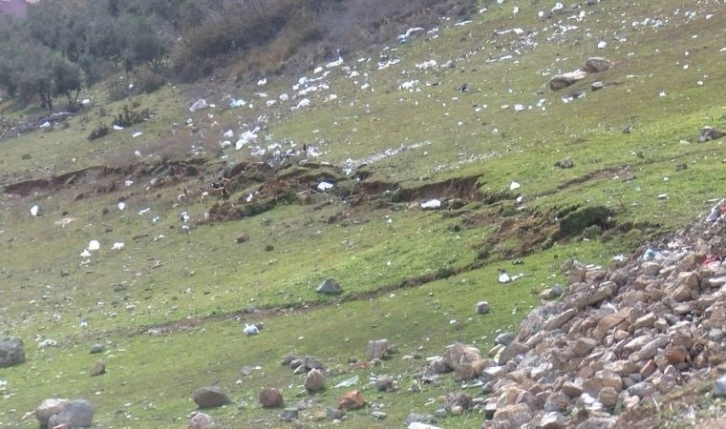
<point>170,306</point>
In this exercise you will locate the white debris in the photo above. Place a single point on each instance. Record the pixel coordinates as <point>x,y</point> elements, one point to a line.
<point>228,134</point>
<point>514,185</point>
<point>431,204</point>
<point>348,382</point>
<point>117,246</point>
<point>46,124</point>
<point>504,277</point>
<point>234,103</point>
<point>136,134</point>
<point>324,186</point>
<point>431,64</point>
<point>199,105</point>
<point>250,330</point>
<point>409,85</point>
<point>262,82</point>
<point>94,245</point>
<point>602,44</point>
<point>144,211</point>
<point>118,128</point>
<point>128,183</point>
<point>247,137</point>
<point>35,211</point>
<point>413,30</point>
<point>305,102</point>
<point>85,254</point>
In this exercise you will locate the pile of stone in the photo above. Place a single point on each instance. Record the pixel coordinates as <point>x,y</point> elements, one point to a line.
<point>619,337</point>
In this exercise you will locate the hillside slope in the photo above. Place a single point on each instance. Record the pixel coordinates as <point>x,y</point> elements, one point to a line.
<point>442,180</point>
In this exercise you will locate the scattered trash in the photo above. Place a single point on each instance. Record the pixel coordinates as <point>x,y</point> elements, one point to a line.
<point>117,246</point>
<point>136,134</point>
<point>121,205</point>
<point>431,204</point>
<point>94,245</point>
<point>348,382</point>
<point>236,103</point>
<point>504,277</point>
<point>514,185</point>
<point>35,211</point>
<point>200,104</point>
<point>324,186</point>
<point>250,330</point>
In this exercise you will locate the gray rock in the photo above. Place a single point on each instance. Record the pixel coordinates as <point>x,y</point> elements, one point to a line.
<point>97,348</point>
<point>505,338</point>
<point>335,413</point>
<point>385,384</point>
<point>709,133</point>
<point>315,381</point>
<point>330,287</point>
<point>311,362</point>
<point>379,415</point>
<point>210,396</point>
<point>565,163</point>
<point>598,423</point>
<point>560,319</point>
<point>11,351</point>
<point>290,415</point>
<point>719,387</point>
<point>420,418</point>
<point>377,349</point>
<point>552,420</point>
<point>76,414</point>
<point>201,421</point>
<point>515,416</point>
<point>608,396</point>
<point>482,307</point>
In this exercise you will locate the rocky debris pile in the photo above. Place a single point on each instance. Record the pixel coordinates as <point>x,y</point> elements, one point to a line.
<point>11,351</point>
<point>619,338</point>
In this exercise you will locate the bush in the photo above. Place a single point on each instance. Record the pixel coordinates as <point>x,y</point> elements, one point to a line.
<point>101,130</point>
<point>129,117</point>
<point>148,81</point>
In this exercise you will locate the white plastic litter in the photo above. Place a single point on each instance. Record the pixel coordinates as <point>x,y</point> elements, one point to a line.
<point>250,330</point>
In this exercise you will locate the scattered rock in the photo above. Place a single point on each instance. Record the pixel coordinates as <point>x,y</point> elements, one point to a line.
<point>315,381</point>
<point>11,352</point>
<point>719,387</point>
<point>97,348</point>
<point>379,415</point>
<point>210,397</point>
<point>596,65</point>
<point>482,307</point>
<point>200,421</point>
<point>290,415</point>
<point>709,133</point>
<point>271,398</point>
<point>565,163</point>
<point>97,368</point>
<point>561,81</point>
<point>330,287</point>
<point>385,384</point>
<point>351,400</point>
<point>377,349</point>
<point>513,416</point>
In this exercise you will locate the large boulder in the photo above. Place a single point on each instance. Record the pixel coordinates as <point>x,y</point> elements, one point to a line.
<point>315,381</point>
<point>597,65</point>
<point>377,349</point>
<point>210,397</point>
<point>351,400</point>
<point>564,80</point>
<point>74,414</point>
<point>47,409</point>
<point>11,351</point>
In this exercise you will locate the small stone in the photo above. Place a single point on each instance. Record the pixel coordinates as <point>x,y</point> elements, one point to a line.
<point>719,387</point>
<point>572,389</point>
<point>596,86</point>
<point>648,369</point>
<point>482,307</point>
<point>379,415</point>
<point>335,413</point>
<point>315,381</point>
<point>608,397</point>
<point>676,354</point>
<point>583,346</point>
<point>505,338</point>
<point>98,368</point>
<point>97,348</point>
<point>271,398</point>
<point>289,415</point>
<point>552,420</point>
<point>330,287</point>
<point>201,421</point>
<point>11,351</point>
<point>377,349</point>
<point>385,384</point>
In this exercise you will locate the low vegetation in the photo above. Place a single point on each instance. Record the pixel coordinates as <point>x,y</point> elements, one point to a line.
<point>457,111</point>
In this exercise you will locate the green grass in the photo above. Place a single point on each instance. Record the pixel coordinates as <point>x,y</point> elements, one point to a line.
<point>204,280</point>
